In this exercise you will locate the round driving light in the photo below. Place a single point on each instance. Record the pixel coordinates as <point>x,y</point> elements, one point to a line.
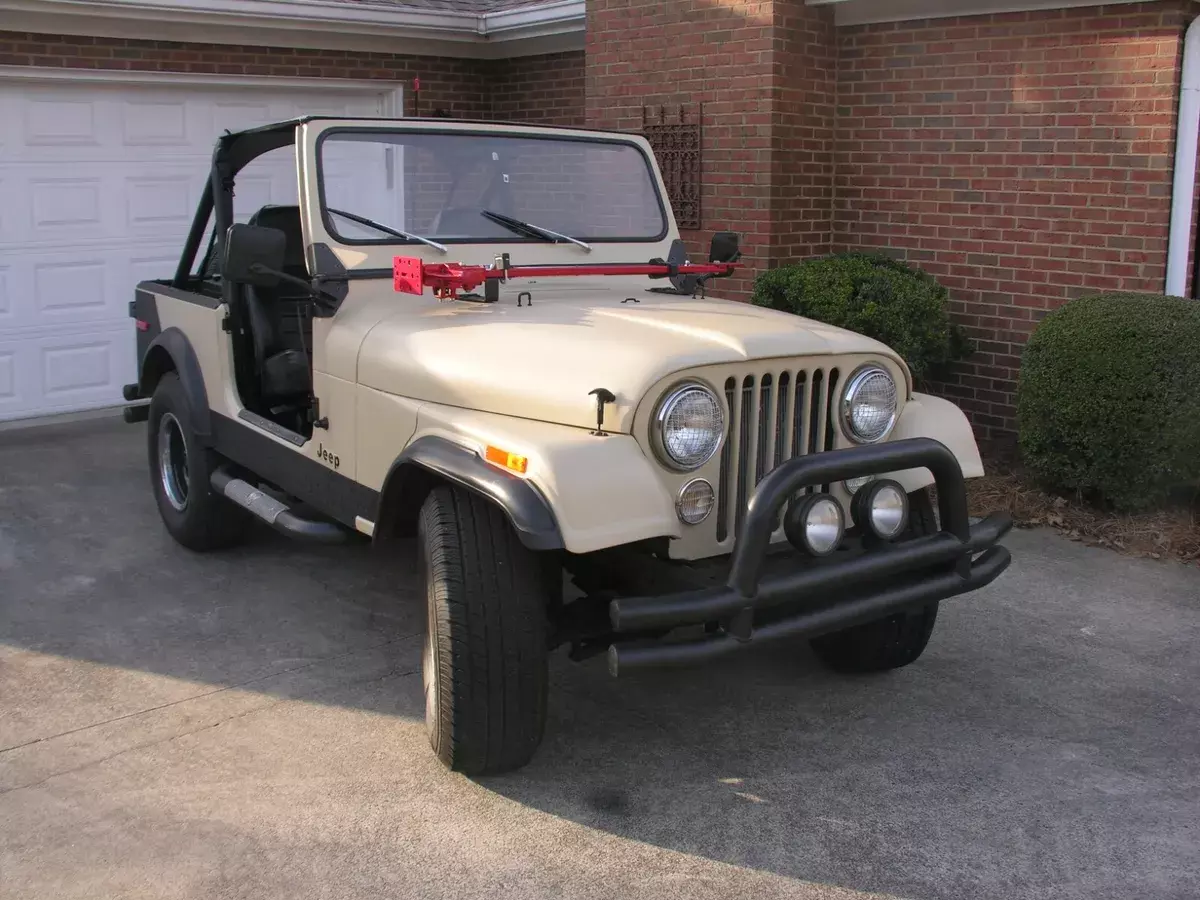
<point>882,508</point>
<point>695,501</point>
<point>688,426</point>
<point>869,405</point>
<point>816,525</point>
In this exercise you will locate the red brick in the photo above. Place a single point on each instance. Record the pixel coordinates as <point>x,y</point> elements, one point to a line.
<point>1079,198</point>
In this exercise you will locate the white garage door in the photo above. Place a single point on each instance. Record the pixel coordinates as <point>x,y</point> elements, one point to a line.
<point>98,185</point>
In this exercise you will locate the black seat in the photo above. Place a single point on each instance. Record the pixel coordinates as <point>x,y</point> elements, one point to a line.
<point>280,318</point>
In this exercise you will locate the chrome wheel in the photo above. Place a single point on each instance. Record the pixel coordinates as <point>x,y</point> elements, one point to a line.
<point>173,462</point>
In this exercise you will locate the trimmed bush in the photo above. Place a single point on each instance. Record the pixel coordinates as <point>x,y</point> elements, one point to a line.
<point>1108,403</point>
<point>903,307</point>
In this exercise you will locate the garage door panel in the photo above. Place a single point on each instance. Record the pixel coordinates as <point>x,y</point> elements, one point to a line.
<point>57,121</point>
<point>8,377</point>
<point>255,191</point>
<point>44,288</point>
<point>155,122</point>
<point>98,186</point>
<point>71,290</point>
<point>65,207</point>
<point>10,231</point>
<point>334,107</point>
<point>160,202</point>
<point>45,206</point>
<point>6,310</point>
<point>152,268</point>
<point>62,373</point>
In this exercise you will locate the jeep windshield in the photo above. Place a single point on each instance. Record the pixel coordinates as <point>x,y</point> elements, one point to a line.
<point>396,186</point>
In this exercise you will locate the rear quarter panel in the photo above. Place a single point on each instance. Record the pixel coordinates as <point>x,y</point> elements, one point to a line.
<point>199,319</point>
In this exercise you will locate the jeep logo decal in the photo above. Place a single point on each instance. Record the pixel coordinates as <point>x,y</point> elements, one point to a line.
<point>326,457</point>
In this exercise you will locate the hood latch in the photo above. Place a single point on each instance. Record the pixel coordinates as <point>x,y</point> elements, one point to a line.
<point>603,396</point>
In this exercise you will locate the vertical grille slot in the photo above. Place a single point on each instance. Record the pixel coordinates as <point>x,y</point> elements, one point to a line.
<point>766,419</point>
<point>747,437</point>
<point>725,485</point>
<point>799,424</point>
<point>816,413</point>
<point>772,418</point>
<point>783,412</point>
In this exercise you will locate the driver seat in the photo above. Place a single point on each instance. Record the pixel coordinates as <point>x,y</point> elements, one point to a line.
<point>284,369</point>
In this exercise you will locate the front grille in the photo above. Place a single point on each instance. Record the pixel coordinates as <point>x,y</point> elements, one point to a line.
<point>772,418</point>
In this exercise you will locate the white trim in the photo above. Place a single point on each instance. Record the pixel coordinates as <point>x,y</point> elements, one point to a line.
<point>544,28</point>
<point>1187,136</point>
<point>545,18</point>
<point>866,12</point>
<point>391,93</point>
<point>366,526</point>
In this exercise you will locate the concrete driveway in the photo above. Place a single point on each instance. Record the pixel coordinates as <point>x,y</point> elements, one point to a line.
<point>250,725</point>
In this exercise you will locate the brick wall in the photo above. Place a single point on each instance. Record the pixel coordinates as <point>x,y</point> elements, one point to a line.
<point>538,90</point>
<point>1022,159</point>
<point>545,89</point>
<point>802,133</point>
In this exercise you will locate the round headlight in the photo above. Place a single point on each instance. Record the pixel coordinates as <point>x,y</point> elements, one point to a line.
<point>816,524</point>
<point>695,501</point>
<point>869,405</point>
<point>688,427</point>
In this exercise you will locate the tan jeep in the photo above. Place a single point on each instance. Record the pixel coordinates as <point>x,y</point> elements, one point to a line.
<point>488,337</point>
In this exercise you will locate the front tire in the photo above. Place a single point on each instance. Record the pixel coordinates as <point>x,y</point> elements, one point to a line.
<point>484,660</point>
<point>896,640</point>
<point>180,469</point>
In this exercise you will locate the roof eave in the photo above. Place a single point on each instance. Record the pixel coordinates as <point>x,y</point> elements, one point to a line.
<point>542,28</point>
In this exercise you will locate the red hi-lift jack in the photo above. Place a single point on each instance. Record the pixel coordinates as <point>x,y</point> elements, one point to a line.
<point>412,275</point>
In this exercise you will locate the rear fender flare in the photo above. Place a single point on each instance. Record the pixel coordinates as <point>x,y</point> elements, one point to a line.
<point>171,350</point>
<point>431,455</point>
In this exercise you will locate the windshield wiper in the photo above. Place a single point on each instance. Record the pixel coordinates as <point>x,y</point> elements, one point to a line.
<point>388,229</point>
<point>530,230</point>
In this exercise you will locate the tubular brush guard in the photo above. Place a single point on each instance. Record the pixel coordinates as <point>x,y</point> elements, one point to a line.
<point>830,596</point>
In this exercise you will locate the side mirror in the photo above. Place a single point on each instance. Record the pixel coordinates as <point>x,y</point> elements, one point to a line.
<point>253,255</point>
<point>685,284</point>
<point>724,248</point>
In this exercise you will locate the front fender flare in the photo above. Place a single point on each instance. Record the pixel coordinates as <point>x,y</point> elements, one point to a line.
<point>175,345</point>
<point>523,503</point>
<point>932,417</point>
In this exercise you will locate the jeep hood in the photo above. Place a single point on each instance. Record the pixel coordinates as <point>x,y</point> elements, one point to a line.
<point>540,361</point>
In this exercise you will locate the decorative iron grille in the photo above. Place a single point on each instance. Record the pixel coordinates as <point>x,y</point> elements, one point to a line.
<point>677,149</point>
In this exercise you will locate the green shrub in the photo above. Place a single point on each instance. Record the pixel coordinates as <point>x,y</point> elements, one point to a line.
<point>1109,398</point>
<point>903,307</point>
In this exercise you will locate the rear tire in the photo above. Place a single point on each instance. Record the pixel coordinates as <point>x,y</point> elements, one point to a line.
<point>896,640</point>
<point>484,661</point>
<point>180,469</point>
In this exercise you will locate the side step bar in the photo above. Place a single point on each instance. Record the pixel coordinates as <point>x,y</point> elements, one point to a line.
<point>276,514</point>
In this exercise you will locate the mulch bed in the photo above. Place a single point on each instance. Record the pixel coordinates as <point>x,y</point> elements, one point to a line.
<point>1172,533</point>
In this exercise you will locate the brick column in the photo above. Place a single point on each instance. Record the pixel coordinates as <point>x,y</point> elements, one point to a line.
<point>763,70</point>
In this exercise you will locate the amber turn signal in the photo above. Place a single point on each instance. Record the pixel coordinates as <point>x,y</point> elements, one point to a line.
<point>506,460</point>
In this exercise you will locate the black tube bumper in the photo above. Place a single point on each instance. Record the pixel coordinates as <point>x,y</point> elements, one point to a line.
<point>830,596</point>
